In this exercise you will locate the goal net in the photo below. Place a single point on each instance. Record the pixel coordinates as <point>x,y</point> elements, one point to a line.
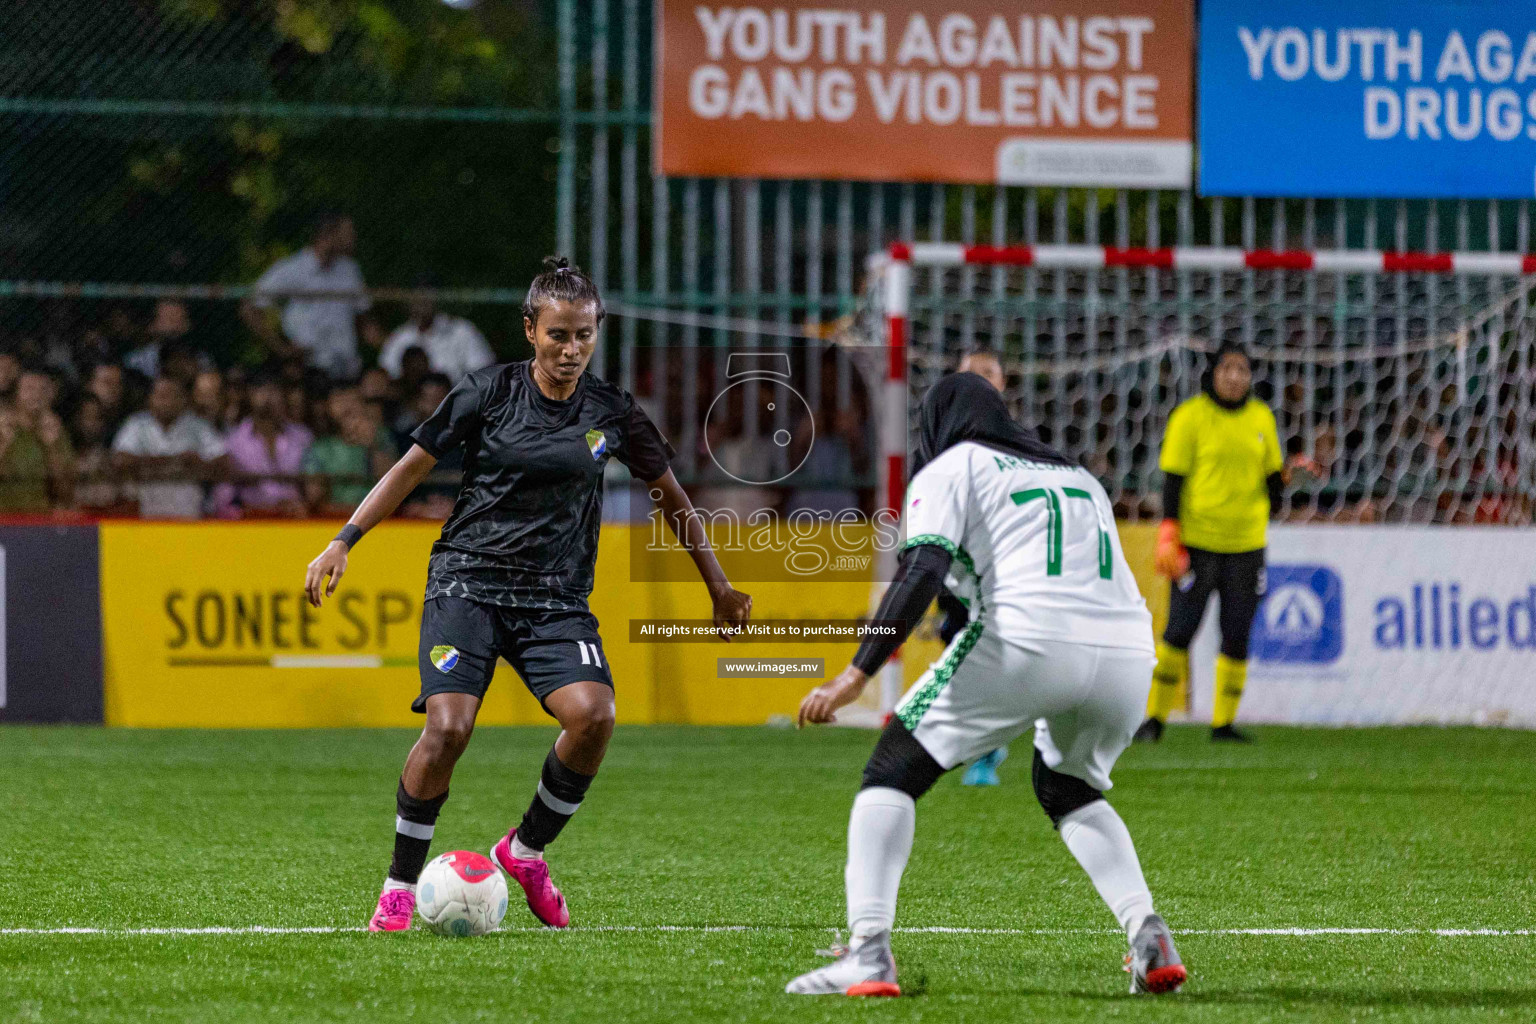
<point>1402,381</point>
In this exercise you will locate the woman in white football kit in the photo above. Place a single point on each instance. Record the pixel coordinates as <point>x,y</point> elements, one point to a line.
<point>1059,639</point>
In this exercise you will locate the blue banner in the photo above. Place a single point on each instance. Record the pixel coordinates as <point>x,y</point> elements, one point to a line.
<point>1392,98</point>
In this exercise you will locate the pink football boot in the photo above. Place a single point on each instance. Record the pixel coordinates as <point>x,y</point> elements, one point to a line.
<point>394,913</point>
<point>533,875</point>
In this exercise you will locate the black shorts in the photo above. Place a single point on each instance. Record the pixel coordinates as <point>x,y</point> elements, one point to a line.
<point>461,639</point>
<point>1237,578</point>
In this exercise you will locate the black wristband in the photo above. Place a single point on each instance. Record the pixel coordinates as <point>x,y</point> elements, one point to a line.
<point>350,535</point>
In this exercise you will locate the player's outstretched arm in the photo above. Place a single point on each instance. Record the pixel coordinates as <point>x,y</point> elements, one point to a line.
<point>732,607</point>
<point>821,704</point>
<point>381,502</point>
<point>919,578</point>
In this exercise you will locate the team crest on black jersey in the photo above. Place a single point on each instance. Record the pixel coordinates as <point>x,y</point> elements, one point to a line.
<point>597,444</point>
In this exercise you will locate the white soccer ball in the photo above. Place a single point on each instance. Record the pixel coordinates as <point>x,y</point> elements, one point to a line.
<point>461,894</point>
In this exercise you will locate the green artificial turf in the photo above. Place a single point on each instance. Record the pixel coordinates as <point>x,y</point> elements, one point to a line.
<point>744,828</point>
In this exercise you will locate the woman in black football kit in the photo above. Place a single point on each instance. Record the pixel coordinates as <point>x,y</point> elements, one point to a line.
<point>511,573</point>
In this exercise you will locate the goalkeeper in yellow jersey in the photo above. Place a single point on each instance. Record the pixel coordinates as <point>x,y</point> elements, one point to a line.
<point>1223,476</point>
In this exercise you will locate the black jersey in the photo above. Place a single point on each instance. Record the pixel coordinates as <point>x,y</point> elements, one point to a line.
<point>523,532</point>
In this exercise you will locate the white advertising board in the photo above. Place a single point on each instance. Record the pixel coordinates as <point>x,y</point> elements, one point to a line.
<point>1378,625</point>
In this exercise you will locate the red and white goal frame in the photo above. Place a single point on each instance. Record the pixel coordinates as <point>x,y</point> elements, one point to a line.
<point>893,270</point>
<point>897,262</point>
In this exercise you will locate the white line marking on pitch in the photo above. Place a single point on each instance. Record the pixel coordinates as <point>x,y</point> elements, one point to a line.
<point>706,929</point>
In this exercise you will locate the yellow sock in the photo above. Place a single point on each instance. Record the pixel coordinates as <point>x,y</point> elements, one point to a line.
<point>1231,676</point>
<point>1167,680</point>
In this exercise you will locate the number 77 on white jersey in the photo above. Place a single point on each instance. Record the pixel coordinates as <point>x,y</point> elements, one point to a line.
<point>1037,542</point>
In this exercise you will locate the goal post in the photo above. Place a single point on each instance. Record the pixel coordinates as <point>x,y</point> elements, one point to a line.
<point>1405,377</point>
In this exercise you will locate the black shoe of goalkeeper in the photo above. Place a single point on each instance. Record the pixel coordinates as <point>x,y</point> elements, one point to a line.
<point>1151,731</point>
<point>1229,734</point>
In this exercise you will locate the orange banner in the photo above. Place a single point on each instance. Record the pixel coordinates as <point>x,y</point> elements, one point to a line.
<point>1060,92</point>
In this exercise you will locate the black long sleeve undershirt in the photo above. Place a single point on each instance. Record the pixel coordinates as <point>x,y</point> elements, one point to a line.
<point>1276,481</point>
<point>1173,489</point>
<point>919,578</point>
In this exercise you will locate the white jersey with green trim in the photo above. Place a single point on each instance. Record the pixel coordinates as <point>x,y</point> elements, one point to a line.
<point>1034,545</point>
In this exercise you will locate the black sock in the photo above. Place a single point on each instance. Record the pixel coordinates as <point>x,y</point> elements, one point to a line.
<point>414,823</point>
<point>560,792</point>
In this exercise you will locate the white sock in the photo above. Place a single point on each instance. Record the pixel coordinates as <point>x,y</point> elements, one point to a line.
<point>1102,845</point>
<point>522,852</point>
<point>879,843</point>
<point>395,883</point>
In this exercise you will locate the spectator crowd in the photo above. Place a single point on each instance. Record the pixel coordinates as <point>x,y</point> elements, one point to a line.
<point>136,419</point>
<point>132,416</point>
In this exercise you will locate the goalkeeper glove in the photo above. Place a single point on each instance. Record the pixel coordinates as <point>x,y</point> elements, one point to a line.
<point>1171,558</point>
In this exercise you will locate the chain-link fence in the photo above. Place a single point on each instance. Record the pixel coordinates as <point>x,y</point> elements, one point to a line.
<point>158,156</point>
<point>195,142</point>
<point>162,149</point>
<point>1405,397</point>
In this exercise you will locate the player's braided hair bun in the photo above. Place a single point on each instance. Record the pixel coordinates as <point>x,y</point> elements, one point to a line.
<point>560,282</point>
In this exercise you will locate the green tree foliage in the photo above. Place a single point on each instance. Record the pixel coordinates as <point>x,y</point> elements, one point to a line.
<point>193,140</point>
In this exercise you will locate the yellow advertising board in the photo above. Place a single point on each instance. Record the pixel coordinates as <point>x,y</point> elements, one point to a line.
<point>205,625</point>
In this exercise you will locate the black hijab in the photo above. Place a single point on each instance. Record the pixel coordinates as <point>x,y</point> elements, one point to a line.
<point>964,407</point>
<point>1208,380</point>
